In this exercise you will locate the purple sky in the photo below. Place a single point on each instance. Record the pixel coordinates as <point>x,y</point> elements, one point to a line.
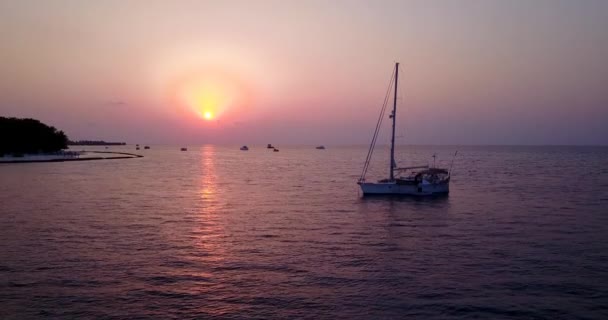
<point>308,72</point>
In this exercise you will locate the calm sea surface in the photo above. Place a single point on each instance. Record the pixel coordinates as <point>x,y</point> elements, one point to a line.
<point>220,233</point>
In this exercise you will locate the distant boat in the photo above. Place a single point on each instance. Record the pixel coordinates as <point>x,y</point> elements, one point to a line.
<point>136,148</point>
<point>147,147</point>
<point>184,149</point>
<point>275,150</point>
<point>269,146</point>
<point>244,148</point>
<point>403,181</point>
<point>321,147</point>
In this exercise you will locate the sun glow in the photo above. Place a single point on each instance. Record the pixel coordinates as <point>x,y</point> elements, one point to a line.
<point>210,94</point>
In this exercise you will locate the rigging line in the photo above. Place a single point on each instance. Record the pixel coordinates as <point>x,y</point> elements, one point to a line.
<point>450,172</point>
<point>402,131</point>
<point>403,107</point>
<point>379,125</point>
<point>377,129</point>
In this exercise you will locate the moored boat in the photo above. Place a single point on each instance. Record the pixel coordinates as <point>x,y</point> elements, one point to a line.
<point>419,180</point>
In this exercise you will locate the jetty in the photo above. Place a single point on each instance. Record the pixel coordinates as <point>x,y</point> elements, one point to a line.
<point>65,156</point>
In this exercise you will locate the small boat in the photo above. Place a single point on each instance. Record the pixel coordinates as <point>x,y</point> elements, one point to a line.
<point>184,149</point>
<point>419,180</point>
<point>269,146</point>
<point>244,148</point>
<point>137,148</point>
<point>275,150</point>
<point>147,147</point>
<point>320,148</point>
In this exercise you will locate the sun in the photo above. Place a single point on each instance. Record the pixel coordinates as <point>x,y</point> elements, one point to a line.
<point>211,94</point>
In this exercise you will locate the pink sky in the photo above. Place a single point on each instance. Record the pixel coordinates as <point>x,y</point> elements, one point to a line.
<point>308,72</point>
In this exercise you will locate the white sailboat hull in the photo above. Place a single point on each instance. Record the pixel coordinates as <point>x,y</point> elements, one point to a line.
<point>388,188</point>
<point>430,181</point>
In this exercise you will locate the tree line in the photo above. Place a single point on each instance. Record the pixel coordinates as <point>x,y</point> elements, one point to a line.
<point>19,136</point>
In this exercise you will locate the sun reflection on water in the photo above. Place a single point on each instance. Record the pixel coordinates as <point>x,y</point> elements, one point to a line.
<point>208,180</point>
<point>209,230</point>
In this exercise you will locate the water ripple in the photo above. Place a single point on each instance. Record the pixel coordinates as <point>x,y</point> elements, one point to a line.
<point>215,233</point>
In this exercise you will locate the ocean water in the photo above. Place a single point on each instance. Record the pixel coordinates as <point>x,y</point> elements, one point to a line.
<point>215,232</point>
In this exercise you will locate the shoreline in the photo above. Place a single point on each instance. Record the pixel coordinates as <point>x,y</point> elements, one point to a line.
<point>67,158</point>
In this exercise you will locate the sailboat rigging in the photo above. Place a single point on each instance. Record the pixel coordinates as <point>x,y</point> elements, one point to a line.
<point>419,180</point>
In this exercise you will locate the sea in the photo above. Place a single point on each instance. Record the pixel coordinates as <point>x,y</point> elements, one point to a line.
<point>219,233</point>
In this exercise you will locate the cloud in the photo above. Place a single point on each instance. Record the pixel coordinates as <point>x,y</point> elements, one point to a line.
<point>115,103</point>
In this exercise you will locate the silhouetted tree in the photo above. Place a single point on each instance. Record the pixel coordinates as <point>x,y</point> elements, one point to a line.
<point>29,136</point>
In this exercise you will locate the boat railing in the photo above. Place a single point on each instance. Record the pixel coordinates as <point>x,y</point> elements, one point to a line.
<point>411,168</point>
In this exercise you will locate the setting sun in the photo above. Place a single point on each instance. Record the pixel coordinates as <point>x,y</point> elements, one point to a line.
<point>210,94</point>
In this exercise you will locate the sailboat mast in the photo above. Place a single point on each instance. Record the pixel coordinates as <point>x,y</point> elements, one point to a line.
<point>393,116</point>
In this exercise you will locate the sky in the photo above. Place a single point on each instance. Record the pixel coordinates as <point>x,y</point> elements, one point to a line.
<point>308,72</point>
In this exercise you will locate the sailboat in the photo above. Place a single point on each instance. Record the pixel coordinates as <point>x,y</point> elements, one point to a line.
<point>418,181</point>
